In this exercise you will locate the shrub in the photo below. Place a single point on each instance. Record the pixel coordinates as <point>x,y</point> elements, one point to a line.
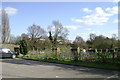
<point>23,47</point>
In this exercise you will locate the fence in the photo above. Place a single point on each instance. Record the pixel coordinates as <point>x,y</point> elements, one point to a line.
<point>82,54</point>
<point>89,55</point>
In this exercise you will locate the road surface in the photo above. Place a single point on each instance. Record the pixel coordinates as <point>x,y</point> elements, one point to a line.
<point>20,68</point>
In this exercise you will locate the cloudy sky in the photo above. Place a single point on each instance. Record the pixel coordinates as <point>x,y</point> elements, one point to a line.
<point>80,18</point>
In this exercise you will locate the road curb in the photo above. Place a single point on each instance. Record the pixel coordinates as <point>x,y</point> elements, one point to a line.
<point>71,64</point>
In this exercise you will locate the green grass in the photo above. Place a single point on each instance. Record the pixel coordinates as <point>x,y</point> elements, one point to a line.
<point>9,46</point>
<point>115,66</point>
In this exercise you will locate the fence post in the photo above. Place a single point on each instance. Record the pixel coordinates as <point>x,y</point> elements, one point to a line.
<point>118,54</point>
<point>113,57</point>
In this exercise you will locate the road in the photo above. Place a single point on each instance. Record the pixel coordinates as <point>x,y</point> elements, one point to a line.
<point>19,68</point>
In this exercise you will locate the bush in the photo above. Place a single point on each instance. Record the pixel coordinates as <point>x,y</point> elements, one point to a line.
<point>23,47</point>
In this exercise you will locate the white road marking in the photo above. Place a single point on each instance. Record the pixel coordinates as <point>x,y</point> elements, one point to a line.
<point>57,76</point>
<point>113,76</point>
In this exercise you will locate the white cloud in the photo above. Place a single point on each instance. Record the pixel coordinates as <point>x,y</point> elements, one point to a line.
<point>96,32</point>
<point>77,20</point>
<point>0,11</point>
<point>88,29</point>
<point>86,10</point>
<point>77,34</point>
<point>115,21</point>
<point>110,33</point>
<point>10,10</point>
<point>83,35</point>
<point>71,27</point>
<point>113,10</point>
<point>99,10</point>
<point>116,1</point>
<point>114,31</point>
<point>98,16</point>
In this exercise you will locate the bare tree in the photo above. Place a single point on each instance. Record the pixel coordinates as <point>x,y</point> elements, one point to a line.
<point>35,33</point>
<point>57,32</point>
<point>0,32</point>
<point>5,27</point>
<point>12,39</point>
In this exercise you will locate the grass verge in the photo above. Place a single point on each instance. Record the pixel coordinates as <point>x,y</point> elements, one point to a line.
<point>95,64</point>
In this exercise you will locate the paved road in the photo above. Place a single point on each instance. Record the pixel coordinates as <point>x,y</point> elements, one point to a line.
<point>19,68</point>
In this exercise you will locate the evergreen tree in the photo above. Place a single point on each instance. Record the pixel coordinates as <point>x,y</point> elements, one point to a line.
<point>23,47</point>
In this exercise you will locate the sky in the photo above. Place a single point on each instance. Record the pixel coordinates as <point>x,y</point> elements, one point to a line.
<point>80,18</point>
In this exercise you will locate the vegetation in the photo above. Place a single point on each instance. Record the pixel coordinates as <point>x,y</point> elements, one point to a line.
<point>102,42</point>
<point>97,51</point>
<point>5,29</point>
<point>9,46</point>
<point>95,64</point>
<point>56,36</point>
<point>23,47</point>
<point>35,33</point>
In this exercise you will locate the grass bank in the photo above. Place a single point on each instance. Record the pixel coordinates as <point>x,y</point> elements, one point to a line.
<point>9,46</point>
<point>95,64</point>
